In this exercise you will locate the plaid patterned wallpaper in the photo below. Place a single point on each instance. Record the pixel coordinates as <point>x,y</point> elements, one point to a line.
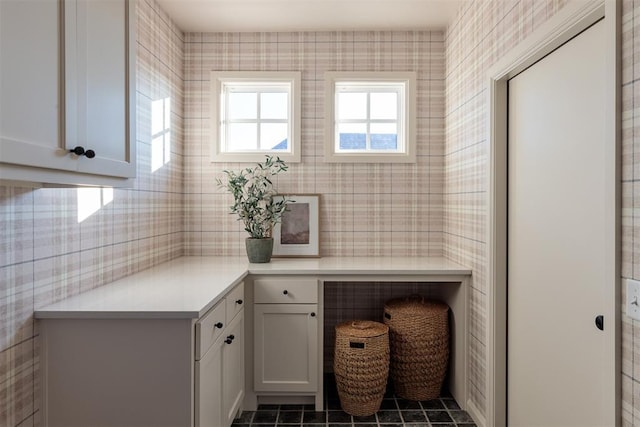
<point>46,254</point>
<point>366,209</point>
<point>436,206</point>
<point>480,35</point>
<point>630,205</point>
<point>482,32</point>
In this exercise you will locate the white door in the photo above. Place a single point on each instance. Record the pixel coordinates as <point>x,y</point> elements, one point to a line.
<point>558,360</point>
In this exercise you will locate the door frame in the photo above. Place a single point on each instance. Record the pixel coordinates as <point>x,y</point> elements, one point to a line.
<point>570,21</point>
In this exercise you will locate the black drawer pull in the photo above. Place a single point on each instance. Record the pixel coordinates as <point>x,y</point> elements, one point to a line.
<point>285,292</point>
<point>218,325</point>
<point>313,314</point>
<point>239,302</point>
<point>229,339</point>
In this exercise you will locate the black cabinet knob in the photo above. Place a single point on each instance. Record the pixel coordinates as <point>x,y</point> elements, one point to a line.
<point>80,151</point>
<point>239,302</point>
<point>229,339</point>
<point>285,292</point>
<point>218,325</point>
<point>313,314</point>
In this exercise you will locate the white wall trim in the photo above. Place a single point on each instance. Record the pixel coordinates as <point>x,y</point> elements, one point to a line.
<point>475,413</point>
<point>574,18</point>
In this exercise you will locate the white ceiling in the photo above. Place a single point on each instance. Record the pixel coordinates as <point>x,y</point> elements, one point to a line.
<point>309,15</point>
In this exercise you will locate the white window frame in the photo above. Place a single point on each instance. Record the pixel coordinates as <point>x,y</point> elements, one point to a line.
<point>258,80</point>
<point>406,121</point>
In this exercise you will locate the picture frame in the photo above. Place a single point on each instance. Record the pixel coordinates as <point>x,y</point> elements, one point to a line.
<point>298,233</point>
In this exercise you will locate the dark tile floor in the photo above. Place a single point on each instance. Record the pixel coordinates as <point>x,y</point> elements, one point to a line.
<point>394,412</point>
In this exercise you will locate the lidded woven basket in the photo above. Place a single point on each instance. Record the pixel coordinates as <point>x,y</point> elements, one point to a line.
<point>419,344</point>
<point>361,365</point>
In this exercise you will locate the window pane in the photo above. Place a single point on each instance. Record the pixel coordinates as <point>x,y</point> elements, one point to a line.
<point>242,136</point>
<point>353,136</point>
<point>274,106</point>
<point>273,136</point>
<point>243,105</point>
<point>352,106</point>
<point>384,136</point>
<point>384,106</point>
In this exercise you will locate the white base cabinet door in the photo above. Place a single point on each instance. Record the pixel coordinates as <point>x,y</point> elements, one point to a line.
<point>233,370</point>
<point>286,347</point>
<point>219,367</point>
<point>209,389</point>
<point>220,378</point>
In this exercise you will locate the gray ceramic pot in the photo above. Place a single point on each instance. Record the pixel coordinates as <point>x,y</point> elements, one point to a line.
<point>259,250</point>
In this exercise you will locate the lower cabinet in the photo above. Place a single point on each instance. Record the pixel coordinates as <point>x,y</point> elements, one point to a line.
<point>142,372</point>
<point>287,321</point>
<point>209,388</point>
<point>233,371</point>
<point>220,378</point>
<point>286,347</point>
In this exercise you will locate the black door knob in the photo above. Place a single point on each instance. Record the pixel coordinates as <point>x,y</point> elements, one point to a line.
<point>600,322</point>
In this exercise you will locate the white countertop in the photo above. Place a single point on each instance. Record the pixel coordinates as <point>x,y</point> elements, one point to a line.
<point>188,287</point>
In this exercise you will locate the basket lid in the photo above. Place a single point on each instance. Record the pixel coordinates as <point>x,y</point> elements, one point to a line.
<point>362,329</point>
<point>415,304</point>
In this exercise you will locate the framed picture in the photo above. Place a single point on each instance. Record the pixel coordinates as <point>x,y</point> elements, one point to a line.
<point>298,234</point>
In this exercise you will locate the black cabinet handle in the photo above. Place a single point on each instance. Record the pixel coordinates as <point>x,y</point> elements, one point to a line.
<point>285,292</point>
<point>229,339</point>
<point>313,314</point>
<point>218,325</point>
<point>80,151</point>
<point>239,302</point>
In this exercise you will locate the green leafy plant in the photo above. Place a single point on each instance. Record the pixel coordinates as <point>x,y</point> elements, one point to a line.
<point>253,192</point>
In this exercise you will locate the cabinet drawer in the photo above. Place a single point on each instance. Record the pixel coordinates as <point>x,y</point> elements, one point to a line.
<point>283,291</point>
<point>209,328</point>
<point>235,301</point>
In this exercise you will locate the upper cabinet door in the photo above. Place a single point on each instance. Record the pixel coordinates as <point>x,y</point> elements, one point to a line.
<point>67,80</point>
<point>99,76</point>
<point>30,76</point>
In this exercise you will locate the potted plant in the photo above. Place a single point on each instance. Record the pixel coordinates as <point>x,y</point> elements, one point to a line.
<point>253,192</point>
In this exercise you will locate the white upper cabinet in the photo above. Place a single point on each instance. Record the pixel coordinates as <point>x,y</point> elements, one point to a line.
<point>67,81</point>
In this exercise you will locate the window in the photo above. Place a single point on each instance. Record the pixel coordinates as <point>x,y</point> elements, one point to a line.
<point>370,117</point>
<point>255,114</point>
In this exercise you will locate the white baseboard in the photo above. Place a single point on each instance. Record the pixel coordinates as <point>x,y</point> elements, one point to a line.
<point>477,416</point>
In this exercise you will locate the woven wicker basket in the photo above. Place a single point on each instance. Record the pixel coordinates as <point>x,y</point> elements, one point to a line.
<point>361,365</point>
<point>419,342</point>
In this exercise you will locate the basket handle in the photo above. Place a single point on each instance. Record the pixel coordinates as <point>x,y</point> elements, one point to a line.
<point>356,324</point>
<point>415,297</point>
<point>356,344</point>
